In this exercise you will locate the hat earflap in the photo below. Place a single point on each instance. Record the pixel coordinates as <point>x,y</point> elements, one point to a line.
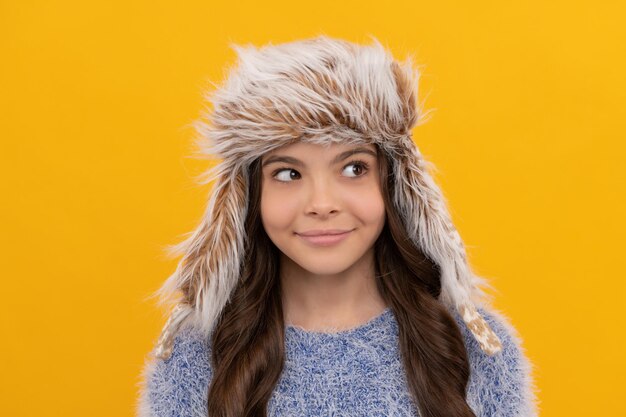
<point>212,257</point>
<point>427,221</point>
<point>209,269</point>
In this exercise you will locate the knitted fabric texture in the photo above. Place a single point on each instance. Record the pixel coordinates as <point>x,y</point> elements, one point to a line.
<point>356,372</point>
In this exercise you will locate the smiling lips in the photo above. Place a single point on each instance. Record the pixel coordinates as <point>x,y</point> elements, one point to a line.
<point>324,237</point>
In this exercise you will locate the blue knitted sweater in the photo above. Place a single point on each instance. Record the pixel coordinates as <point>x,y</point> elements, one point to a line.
<point>356,372</point>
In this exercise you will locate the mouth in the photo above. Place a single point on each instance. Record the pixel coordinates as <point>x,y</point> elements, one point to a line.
<point>324,238</point>
<point>327,232</point>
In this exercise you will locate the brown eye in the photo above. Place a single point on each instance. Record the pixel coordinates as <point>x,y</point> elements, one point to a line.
<point>357,168</point>
<point>288,177</point>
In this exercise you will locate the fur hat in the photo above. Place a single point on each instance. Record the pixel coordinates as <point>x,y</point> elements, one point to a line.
<point>319,90</point>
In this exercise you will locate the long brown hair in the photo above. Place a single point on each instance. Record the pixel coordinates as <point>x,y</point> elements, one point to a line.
<point>247,343</point>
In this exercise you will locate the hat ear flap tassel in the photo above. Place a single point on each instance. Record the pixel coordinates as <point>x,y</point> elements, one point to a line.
<point>488,340</point>
<point>165,344</point>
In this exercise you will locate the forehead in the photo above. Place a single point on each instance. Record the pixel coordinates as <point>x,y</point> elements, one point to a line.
<point>306,148</point>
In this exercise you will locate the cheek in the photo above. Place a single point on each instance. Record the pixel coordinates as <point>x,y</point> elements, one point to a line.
<point>277,210</point>
<point>370,208</point>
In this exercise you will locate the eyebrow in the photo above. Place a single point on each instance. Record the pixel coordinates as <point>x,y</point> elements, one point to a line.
<point>338,158</point>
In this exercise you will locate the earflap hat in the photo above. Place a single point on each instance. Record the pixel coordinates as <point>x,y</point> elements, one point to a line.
<point>319,90</point>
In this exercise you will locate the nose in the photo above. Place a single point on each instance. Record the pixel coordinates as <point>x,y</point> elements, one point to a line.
<point>323,199</point>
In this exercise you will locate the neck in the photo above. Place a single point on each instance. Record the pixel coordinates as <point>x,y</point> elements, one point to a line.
<point>340,300</point>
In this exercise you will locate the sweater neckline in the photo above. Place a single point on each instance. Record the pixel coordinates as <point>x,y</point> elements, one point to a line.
<point>373,322</point>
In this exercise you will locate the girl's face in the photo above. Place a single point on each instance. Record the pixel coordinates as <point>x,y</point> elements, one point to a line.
<point>308,188</point>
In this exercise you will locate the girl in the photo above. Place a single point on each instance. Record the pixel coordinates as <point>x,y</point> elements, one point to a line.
<point>326,277</point>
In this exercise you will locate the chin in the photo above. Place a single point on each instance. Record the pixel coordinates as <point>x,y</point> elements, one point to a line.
<point>324,264</point>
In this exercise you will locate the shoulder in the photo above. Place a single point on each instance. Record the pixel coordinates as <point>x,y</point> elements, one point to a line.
<point>500,385</point>
<point>177,386</point>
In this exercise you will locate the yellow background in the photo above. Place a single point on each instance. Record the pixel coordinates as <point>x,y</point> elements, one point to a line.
<point>96,102</point>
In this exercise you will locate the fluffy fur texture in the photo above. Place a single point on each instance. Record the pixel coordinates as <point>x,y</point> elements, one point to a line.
<point>321,91</point>
<point>353,372</point>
